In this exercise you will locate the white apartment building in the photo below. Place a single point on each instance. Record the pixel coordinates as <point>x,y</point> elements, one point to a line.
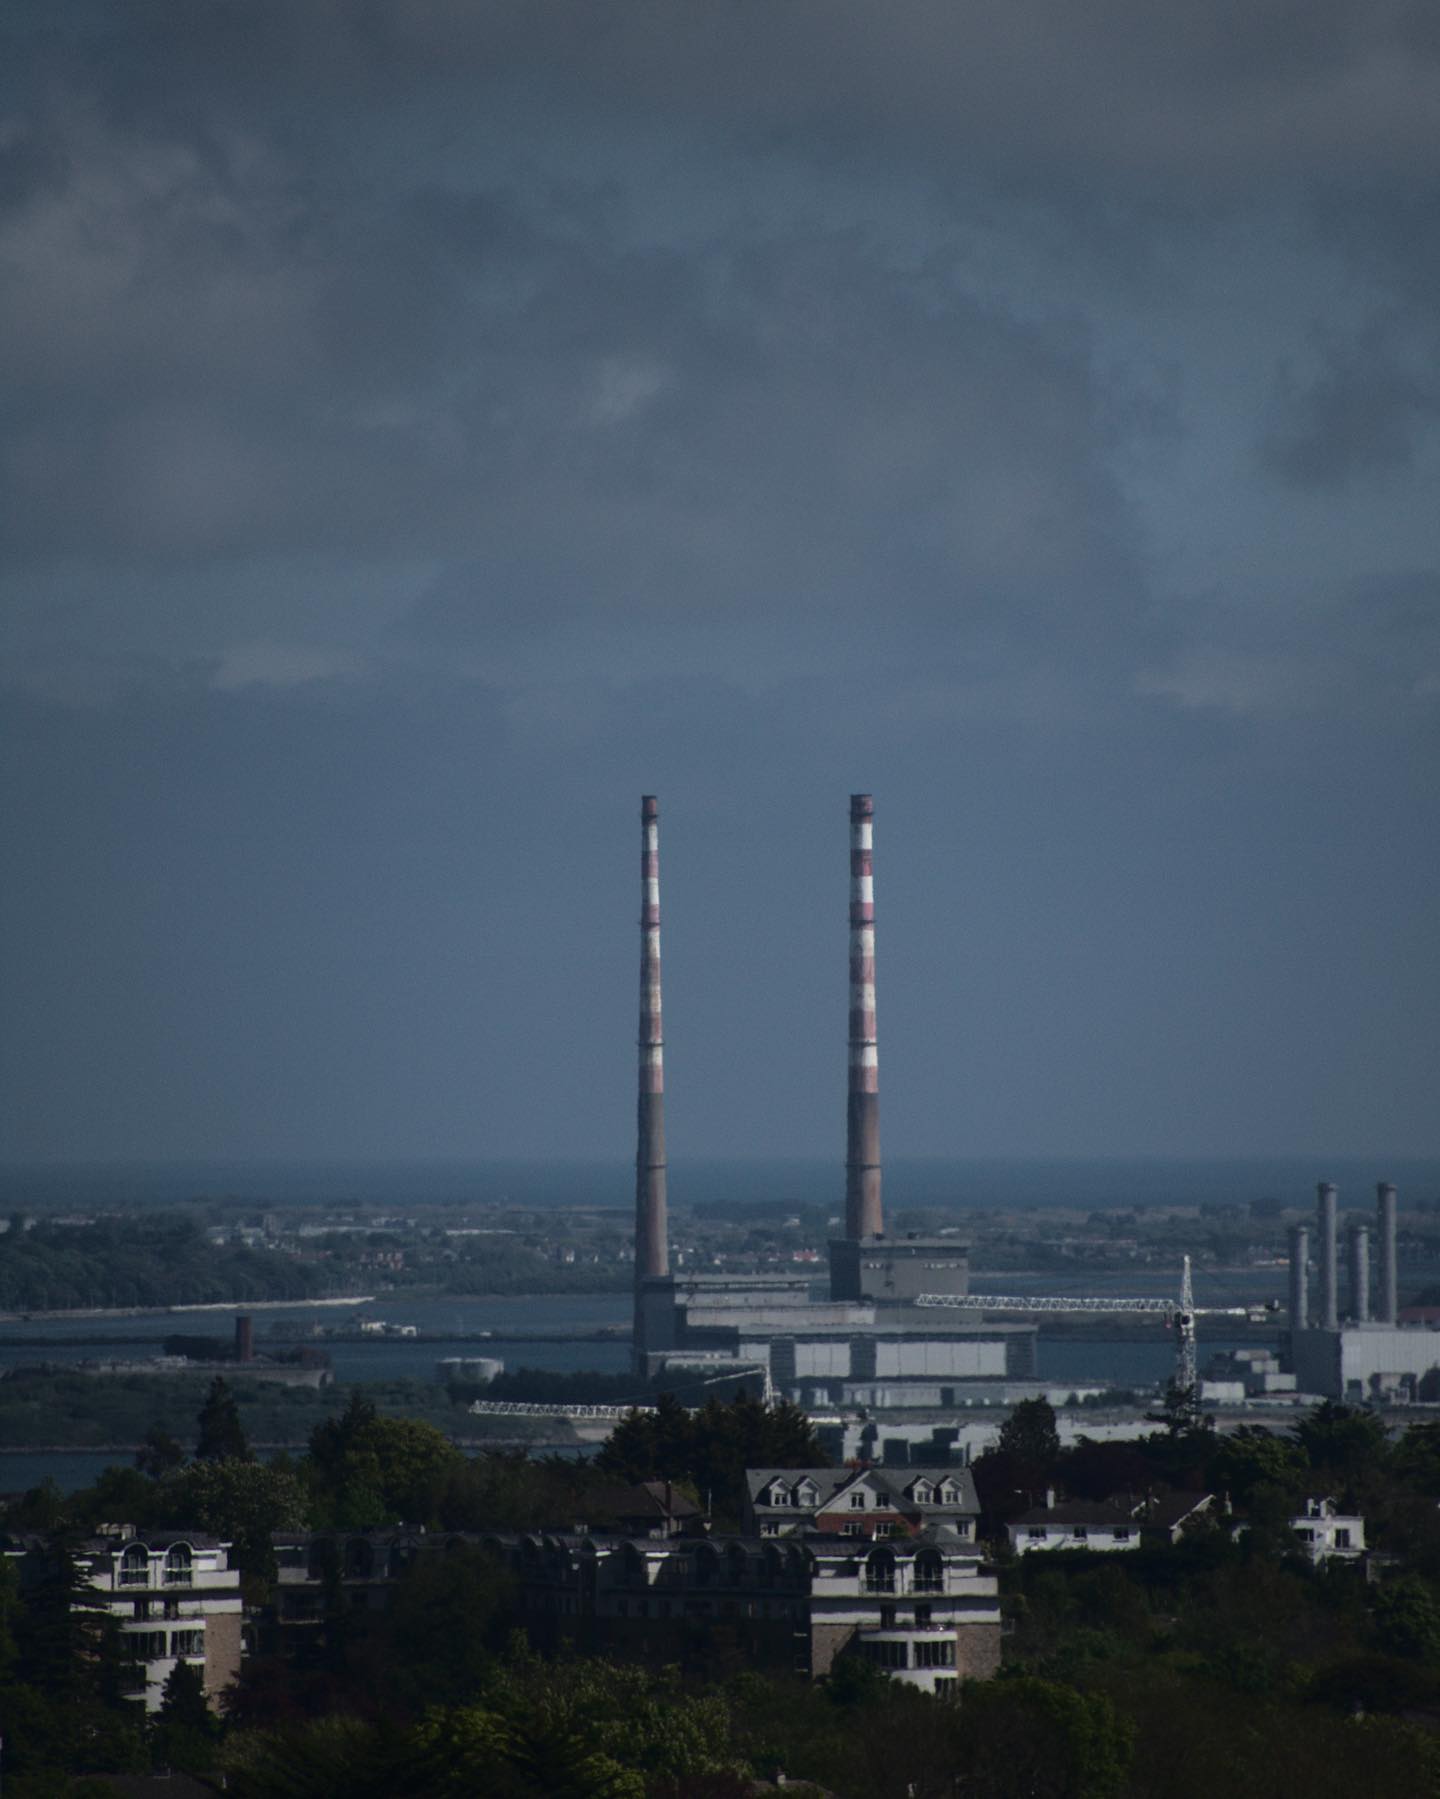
<point>175,1598</point>
<point>1329,1534</point>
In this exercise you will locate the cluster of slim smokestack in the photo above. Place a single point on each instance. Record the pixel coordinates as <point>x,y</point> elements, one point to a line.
<point>1359,1246</point>
<point>863,1214</point>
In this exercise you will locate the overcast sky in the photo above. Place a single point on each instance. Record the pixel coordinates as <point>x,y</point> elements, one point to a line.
<point>428,424</point>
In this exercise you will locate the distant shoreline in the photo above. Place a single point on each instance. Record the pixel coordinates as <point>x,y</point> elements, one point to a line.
<point>207,1305</point>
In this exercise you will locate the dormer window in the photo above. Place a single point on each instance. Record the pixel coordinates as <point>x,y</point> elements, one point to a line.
<point>807,1493</point>
<point>779,1495</point>
<point>948,1494</point>
<point>922,1493</point>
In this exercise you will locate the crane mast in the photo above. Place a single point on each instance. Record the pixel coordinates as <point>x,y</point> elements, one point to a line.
<point>1180,1313</point>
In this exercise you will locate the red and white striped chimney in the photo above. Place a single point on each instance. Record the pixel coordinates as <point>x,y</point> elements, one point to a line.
<point>863,1214</point>
<point>652,1251</point>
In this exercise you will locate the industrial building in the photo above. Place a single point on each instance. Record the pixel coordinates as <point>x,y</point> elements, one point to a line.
<point>868,1344</point>
<point>1364,1352</point>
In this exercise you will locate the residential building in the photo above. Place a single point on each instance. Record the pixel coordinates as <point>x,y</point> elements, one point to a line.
<point>1074,1524</point>
<point>173,1595</point>
<point>860,1502</point>
<point>1329,1534</point>
<point>924,1607</point>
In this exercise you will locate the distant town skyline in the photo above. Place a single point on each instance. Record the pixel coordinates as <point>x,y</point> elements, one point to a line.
<point>429,428</point>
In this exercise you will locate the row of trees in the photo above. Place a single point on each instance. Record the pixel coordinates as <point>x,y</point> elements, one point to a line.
<point>146,1260</point>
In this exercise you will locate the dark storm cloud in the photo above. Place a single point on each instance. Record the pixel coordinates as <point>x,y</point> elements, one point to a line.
<point>427,424</point>
<point>1361,416</point>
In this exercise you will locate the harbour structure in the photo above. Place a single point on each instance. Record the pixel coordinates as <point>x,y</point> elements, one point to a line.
<point>1366,1354</point>
<point>868,1344</point>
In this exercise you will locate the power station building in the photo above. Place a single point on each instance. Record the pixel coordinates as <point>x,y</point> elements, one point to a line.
<point>868,1344</point>
<point>1363,1353</point>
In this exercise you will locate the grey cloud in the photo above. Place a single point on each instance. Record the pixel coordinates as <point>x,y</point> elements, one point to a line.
<point>1362,415</point>
<point>1151,93</point>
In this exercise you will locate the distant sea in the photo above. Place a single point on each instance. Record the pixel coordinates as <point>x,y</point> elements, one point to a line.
<point>962,1183</point>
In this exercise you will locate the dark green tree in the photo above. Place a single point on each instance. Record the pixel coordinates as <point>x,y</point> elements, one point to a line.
<point>186,1731</point>
<point>221,1435</point>
<point>710,1450</point>
<point>1030,1435</point>
<point>1343,1441</point>
<point>1253,1457</point>
<point>365,1469</point>
<point>158,1453</point>
<point>1024,1738</point>
<point>1407,1619</point>
<point>244,1502</point>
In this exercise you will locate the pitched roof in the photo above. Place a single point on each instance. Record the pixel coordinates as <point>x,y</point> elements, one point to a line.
<point>1078,1511</point>
<point>893,1483</point>
<point>1171,1509</point>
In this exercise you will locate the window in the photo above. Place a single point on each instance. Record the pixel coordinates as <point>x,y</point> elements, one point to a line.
<point>187,1642</point>
<point>880,1572</point>
<point>1036,1531</point>
<point>922,1492</point>
<point>179,1566</point>
<point>935,1655</point>
<point>1342,1539</point>
<point>1122,1535</point>
<point>135,1566</point>
<point>882,1502</point>
<point>172,1608</point>
<point>949,1494</point>
<point>779,1495</point>
<point>889,1655</point>
<point>142,1608</point>
<point>859,1501</point>
<point>922,1617</point>
<point>1080,1533</point>
<point>929,1572</point>
<point>887,1617</point>
<point>852,1530</point>
<point>146,1645</point>
<point>769,1528</point>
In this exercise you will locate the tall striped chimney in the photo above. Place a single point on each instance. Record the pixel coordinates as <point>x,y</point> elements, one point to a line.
<point>652,1251</point>
<point>1389,1259</point>
<point>863,1214</point>
<point>1329,1258</point>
